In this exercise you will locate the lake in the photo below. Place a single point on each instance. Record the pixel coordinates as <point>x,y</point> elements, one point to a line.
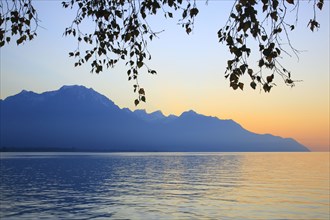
<point>164,186</point>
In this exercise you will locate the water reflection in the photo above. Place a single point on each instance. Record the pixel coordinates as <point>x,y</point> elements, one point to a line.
<point>165,185</point>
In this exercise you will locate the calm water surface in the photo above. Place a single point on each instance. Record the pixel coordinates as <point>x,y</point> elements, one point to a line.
<point>164,186</point>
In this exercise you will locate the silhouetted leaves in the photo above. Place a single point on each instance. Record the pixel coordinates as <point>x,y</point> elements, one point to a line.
<point>270,78</point>
<point>123,33</point>
<point>290,1</point>
<point>267,87</point>
<point>243,24</point>
<point>313,24</point>
<point>253,85</point>
<point>141,91</point>
<point>241,85</point>
<point>18,18</point>
<point>193,12</point>
<point>320,4</point>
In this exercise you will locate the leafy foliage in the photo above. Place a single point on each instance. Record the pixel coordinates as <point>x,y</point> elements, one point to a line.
<point>245,22</point>
<point>121,32</point>
<point>17,19</point>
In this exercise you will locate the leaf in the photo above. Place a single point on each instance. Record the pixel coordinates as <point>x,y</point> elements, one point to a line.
<point>267,87</point>
<point>264,8</point>
<point>143,15</point>
<point>313,24</point>
<point>269,59</point>
<point>184,14</point>
<point>143,99</point>
<point>193,12</point>
<point>243,68</point>
<point>253,85</point>
<point>21,39</point>
<point>320,4</point>
<point>289,81</point>
<point>233,77</point>
<point>230,63</point>
<point>127,37</point>
<point>270,78</point>
<point>238,8</point>
<point>239,40</point>
<point>273,15</point>
<point>278,51</point>
<point>88,56</point>
<point>233,85</point>
<point>141,91</point>
<point>259,78</point>
<point>241,85</point>
<point>230,40</point>
<point>27,22</point>
<point>170,15</point>
<point>140,64</point>
<point>118,13</point>
<point>290,2</point>
<point>266,52</point>
<point>136,102</point>
<point>250,72</point>
<point>246,26</point>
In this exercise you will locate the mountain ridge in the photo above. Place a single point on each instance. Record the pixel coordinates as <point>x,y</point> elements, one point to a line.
<point>76,117</point>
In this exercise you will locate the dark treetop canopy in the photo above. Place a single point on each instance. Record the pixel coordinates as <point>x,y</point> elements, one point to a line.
<point>121,32</point>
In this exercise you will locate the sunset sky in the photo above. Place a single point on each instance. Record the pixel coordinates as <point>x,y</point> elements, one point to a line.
<point>190,73</point>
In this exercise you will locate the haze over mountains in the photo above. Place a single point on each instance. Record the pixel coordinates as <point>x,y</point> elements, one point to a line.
<point>80,119</point>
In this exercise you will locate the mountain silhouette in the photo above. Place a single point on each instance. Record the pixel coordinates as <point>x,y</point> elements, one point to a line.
<point>80,119</point>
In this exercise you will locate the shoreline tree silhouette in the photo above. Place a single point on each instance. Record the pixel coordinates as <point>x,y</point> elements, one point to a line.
<point>121,32</point>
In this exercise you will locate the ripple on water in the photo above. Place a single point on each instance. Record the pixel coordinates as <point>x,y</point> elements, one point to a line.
<point>165,185</point>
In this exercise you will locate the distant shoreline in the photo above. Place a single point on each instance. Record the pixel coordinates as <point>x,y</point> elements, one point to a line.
<point>60,149</point>
<point>74,150</point>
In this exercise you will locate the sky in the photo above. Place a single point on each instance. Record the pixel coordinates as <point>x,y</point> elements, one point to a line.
<point>190,73</point>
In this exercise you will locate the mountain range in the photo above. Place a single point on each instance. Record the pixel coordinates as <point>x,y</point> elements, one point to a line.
<point>76,118</point>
